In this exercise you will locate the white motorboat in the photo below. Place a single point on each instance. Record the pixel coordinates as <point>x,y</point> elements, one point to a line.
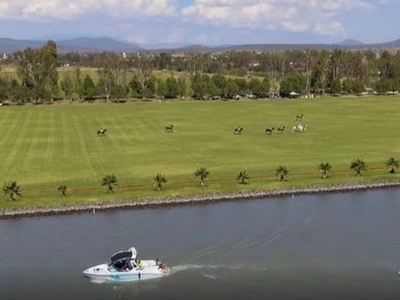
<point>124,266</point>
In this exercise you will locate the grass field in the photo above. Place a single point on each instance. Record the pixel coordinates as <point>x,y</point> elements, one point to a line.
<point>45,146</point>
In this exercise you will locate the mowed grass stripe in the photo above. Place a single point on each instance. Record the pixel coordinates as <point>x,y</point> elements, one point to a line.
<point>16,144</point>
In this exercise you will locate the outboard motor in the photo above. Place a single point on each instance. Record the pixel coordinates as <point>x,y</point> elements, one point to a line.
<point>134,252</point>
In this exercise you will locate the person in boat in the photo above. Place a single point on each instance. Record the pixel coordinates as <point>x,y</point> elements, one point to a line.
<point>134,264</point>
<point>128,266</point>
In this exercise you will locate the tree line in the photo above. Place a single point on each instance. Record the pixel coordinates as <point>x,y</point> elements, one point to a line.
<point>217,75</point>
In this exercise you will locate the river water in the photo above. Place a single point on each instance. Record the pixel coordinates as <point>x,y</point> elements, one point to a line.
<point>331,246</point>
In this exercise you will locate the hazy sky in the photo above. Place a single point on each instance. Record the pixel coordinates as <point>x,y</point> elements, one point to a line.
<point>211,22</point>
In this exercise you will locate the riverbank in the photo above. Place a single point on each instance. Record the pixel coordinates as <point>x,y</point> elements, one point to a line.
<point>174,201</point>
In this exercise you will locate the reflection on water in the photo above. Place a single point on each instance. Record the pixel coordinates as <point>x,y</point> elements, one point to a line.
<point>342,246</point>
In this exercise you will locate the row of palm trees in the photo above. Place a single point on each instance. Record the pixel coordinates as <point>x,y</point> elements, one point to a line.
<point>12,189</point>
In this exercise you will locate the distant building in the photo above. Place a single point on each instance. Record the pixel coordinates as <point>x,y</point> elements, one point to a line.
<point>5,56</point>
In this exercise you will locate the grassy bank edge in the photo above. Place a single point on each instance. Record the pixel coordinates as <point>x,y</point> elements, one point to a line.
<point>203,198</point>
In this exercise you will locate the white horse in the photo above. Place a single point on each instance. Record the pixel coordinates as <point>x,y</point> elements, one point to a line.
<point>299,128</point>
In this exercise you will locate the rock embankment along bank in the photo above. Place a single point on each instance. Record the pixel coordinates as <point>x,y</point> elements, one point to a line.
<point>174,201</point>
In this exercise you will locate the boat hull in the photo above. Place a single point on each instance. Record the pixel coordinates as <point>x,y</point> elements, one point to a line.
<point>103,273</point>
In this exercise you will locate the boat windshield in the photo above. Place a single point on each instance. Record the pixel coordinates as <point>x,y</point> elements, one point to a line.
<point>121,255</point>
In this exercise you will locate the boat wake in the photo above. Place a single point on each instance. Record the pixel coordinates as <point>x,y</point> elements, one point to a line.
<point>180,268</point>
<point>210,276</point>
<point>189,267</point>
<point>270,239</point>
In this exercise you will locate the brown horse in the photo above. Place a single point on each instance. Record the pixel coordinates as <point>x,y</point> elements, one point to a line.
<point>281,129</point>
<point>269,130</point>
<point>169,127</point>
<point>238,130</point>
<point>101,132</point>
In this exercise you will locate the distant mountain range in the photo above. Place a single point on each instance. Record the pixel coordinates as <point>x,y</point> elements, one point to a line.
<point>81,45</point>
<point>85,44</point>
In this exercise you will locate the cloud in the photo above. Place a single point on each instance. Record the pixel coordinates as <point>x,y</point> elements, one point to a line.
<point>70,9</point>
<point>286,15</point>
<point>329,28</point>
<point>197,21</point>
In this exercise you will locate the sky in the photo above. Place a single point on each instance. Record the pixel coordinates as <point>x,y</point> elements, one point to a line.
<point>207,22</point>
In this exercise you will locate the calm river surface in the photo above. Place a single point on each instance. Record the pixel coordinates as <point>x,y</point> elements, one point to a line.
<point>336,246</point>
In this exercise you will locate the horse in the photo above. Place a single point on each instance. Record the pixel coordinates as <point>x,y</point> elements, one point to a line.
<point>238,130</point>
<point>269,130</point>
<point>281,128</point>
<point>169,127</point>
<point>302,128</point>
<point>101,132</point>
<point>299,128</point>
<point>299,117</point>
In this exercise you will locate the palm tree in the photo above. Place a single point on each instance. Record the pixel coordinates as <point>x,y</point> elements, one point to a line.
<point>12,189</point>
<point>243,176</point>
<point>110,181</point>
<point>358,165</point>
<point>159,181</point>
<point>393,164</point>
<point>202,174</point>
<point>281,172</point>
<point>63,189</point>
<point>324,167</point>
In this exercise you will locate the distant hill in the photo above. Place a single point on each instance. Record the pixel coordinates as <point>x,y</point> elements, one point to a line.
<point>160,46</point>
<point>195,48</point>
<point>8,45</point>
<point>81,45</point>
<point>85,44</point>
<point>392,44</point>
<point>350,42</point>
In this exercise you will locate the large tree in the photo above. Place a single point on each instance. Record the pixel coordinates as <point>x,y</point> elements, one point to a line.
<point>259,88</point>
<point>200,86</point>
<point>119,92</point>
<point>231,89</point>
<point>319,72</point>
<point>9,89</point>
<point>89,88</point>
<point>67,85</point>
<point>294,82</point>
<point>143,82</point>
<point>78,83</point>
<point>37,70</point>
<point>171,88</point>
<point>112,70</point>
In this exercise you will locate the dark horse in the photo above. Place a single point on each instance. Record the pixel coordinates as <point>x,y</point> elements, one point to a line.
<point>281,129</point>
<point>169,127</point>
<point>299,116</point>
<point>269,130</point>
<point>238,130</point>
<point>101,132</point>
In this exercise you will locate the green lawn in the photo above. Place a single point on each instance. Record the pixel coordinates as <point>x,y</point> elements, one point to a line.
<point>45,146</point>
